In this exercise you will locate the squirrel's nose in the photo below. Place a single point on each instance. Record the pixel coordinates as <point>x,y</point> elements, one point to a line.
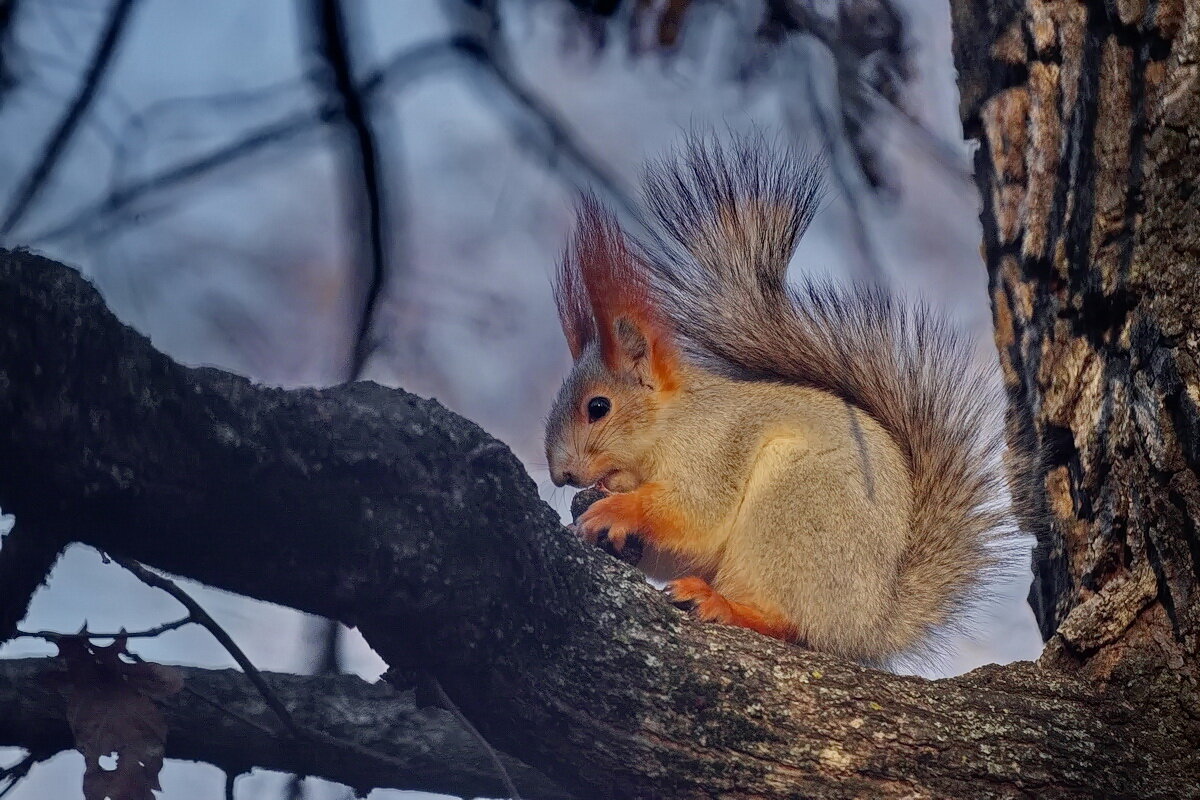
<point>562,477</point>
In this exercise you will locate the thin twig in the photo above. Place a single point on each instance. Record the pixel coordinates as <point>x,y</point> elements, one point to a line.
<point>448,704</point>
<point>240,717</point>
<point>858,223</point>
<point>54,636</point>
<point>201,617</point>
<point>551,137</point>
<point>556,142</point>
<point>402,67</point>
<point>11,776</point>
<point>945,153</point>
<point>8,13</point>
<point>56,145</point>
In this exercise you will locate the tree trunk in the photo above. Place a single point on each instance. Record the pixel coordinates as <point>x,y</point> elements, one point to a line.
<point>1089,118</point>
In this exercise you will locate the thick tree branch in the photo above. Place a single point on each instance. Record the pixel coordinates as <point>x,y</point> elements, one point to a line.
<point>1088,118</point>
<point>26,558</point>
<point>386,511</point>
<point>425,748</point>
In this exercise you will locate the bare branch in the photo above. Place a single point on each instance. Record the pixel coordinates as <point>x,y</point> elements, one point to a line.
<point>859,227</point>
<point>550,140</point>
<point>35,180</point>
<point>8,13</point>
<point>149,633</point>
<point>220,719</point>
<point>336,80</point>
<point>11,776</point>
<point>202,617</point>
<point>396,74</point>
<point>445,702</point>
<point>537,128</point>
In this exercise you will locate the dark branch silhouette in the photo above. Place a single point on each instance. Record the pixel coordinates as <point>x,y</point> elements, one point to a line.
<point>859,226</point>
<point>35,180</point>
<point>555,144</point>
<point>26,558</point>
<point>220,719</point>
<point>368,209</point>
<point>8,13</point>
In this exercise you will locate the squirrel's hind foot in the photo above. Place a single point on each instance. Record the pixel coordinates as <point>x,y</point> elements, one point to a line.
<point>698,597</point>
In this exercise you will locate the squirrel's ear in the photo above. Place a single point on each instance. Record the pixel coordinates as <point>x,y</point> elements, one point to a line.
<point>623,316</point>
<point>645,350</point>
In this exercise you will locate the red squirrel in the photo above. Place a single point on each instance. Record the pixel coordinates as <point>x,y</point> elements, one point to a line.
<point>824,462</point>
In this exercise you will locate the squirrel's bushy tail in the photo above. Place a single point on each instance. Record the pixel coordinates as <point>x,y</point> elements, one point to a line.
<point>730,218</point>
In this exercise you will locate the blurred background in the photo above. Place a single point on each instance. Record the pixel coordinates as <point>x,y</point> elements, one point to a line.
<point>308,192</point>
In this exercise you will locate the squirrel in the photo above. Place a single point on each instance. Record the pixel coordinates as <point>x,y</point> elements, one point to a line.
<point>824,462</point>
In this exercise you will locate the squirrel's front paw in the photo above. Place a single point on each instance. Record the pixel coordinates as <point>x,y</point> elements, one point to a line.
<point>606,525</point>
<point>602,518</point>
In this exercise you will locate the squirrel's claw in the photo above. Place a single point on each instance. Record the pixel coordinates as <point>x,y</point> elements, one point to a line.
<point>683,605</point>
<point>698,598</point>
<point>630,552</point>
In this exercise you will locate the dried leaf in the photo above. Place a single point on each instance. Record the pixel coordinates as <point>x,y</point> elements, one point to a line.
<point>111,711</point>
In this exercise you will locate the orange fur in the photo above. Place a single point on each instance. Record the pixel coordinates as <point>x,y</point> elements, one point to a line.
<point>643,511</point>
<point>710,606</point>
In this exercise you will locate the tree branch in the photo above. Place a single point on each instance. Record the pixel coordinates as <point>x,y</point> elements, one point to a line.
<point>8,13</point>
<point>56,145</point>
<point>425,749</point>
<point>26,558</point>
<point>447,560</point>
<point>337,81</point>
<point>402,67</point>
<point>555,144</point>
<point>197,614</point>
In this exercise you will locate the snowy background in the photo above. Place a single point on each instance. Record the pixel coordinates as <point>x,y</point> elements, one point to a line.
<point>245,267</point>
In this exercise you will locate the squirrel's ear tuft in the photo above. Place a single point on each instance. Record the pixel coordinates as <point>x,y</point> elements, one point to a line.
<point>574,308</point>
<point>630,329</point>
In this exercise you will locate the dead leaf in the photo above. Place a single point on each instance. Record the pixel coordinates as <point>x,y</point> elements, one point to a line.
<point>111,711</point>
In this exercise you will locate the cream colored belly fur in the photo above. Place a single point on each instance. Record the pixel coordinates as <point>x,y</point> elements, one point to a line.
<point>812,532</point>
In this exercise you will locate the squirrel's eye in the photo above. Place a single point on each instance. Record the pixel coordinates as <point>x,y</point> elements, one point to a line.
<point>598,407</point>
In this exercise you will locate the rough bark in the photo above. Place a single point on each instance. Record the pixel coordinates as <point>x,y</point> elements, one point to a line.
<point>388,512</point>
<point>220,720</point>
<point>1089,119</point>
